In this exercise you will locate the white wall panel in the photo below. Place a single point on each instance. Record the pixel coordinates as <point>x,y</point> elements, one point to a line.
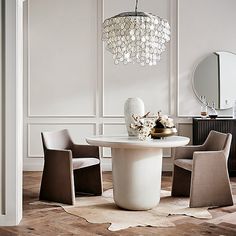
<point>204,26</point>
<point>62,69</point>
<point>112,129</point>
<point>151,83</point>
<point>62,41</point>
<point>63,81</point>
<point>77,131</point>
<point>71,78</point>
<point>166,152</point>
<point>120,129</point>
<point>185,129</point>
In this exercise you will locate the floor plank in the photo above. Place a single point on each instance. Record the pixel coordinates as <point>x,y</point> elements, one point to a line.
<point>51,221</point>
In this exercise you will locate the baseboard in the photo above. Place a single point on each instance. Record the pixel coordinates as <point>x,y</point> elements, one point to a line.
<point>9,220</point>
<point>33,164</point>
<point>166,166</point>
<point>106,164</point>
<point>36,164</point>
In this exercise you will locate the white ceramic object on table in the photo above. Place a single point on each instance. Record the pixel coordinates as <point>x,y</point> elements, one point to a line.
<point>136,168</point>
<point>133,106</point>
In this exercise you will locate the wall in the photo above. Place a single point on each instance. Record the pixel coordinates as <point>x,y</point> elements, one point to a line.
<point>179,62</point>
<point>71,81</point>
<point>204,26</point>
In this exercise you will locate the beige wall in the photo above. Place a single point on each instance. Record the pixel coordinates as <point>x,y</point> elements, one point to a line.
<point>71,81</point>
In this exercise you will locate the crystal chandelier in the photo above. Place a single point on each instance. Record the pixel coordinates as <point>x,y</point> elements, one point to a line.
<point>136,37</point>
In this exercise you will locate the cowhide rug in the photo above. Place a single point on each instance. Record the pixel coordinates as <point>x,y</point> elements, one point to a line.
<point>102,209</point>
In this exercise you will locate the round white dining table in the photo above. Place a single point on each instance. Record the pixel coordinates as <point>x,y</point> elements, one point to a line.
<point>136,168</point>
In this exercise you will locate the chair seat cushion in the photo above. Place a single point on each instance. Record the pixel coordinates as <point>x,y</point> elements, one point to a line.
<point>186,164</point>
<point>79,163</point>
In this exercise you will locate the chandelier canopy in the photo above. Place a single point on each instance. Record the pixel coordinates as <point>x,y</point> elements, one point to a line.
<point>136,37</point>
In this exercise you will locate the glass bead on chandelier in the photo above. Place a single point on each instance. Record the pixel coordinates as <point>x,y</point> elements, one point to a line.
<point>136,37</point>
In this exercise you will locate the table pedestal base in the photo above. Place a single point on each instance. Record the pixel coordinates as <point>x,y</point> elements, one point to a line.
<point>136,177</point>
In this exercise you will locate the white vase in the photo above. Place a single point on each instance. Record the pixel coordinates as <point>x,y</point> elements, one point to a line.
<point>133,106</point>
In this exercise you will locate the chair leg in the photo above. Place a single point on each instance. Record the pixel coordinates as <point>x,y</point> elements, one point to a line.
<point>57,185</point>
<point>181,182</point>
<point>210,187</point>
<point>89,180</point>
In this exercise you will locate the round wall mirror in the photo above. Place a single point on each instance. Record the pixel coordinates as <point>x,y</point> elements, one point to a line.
<point>215,79</point>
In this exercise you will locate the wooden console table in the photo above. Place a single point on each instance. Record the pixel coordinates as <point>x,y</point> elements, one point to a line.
<point>202,127</point>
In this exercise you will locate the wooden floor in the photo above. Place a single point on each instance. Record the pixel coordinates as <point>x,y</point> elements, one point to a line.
<point>48,220</point>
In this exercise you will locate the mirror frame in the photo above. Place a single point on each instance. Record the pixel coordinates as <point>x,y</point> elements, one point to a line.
<point>192,79</point>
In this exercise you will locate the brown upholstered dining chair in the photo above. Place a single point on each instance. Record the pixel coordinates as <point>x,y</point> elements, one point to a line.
<point>68,168</point>
<point>201,172</point>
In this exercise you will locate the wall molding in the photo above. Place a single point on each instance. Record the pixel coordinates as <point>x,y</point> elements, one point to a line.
<point>101,20</point>
<point>177,64</point>
<point>102,48</point>
<point>212,42</point>
<point>169,67</point>
<point>102,132</point>
<point>99,119</point>
<point>177,60</point>
<point>29,113</point>
<point>111,123</point>
<point>29,151</point>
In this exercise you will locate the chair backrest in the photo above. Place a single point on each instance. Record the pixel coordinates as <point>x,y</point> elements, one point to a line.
<point>217,141</point>
<point>228,145</point>
<point>56,140</point>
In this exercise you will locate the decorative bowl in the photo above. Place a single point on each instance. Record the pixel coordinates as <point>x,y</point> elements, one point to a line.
<point>157,133</point>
